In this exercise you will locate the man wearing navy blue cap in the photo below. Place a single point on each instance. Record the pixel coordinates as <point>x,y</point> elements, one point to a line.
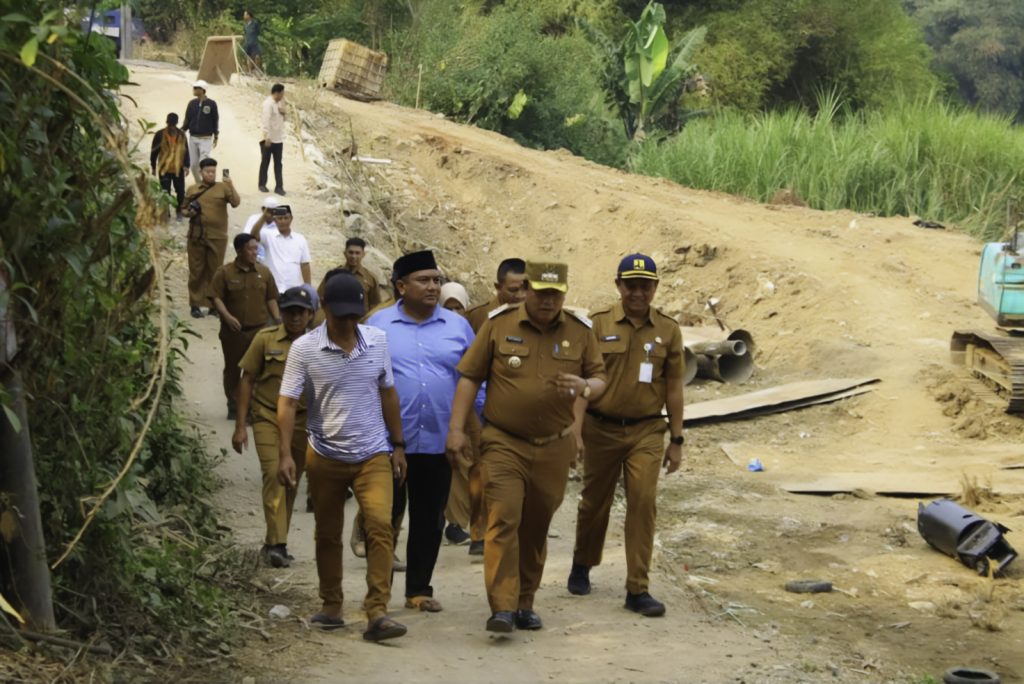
<point>623,431</point>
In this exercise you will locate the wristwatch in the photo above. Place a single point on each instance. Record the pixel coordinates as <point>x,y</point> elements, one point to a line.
<point>678,441</point>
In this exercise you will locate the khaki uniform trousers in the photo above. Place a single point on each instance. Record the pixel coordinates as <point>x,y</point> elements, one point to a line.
<point>635,452</point>
<point>234,345</point>
<point>523,487</point>
<point>371,481</point>
<point>466,496</point>
<point>278,500</point>
<point>205,256</point>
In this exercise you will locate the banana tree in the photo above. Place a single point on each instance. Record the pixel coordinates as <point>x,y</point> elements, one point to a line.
<point>644,73</point>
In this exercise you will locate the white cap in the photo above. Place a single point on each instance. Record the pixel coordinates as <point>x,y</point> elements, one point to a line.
<point>271,202</point>
<point>201,84</point>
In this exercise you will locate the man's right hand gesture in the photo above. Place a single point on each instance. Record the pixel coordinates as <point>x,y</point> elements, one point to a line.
<point>286,471</point>
<point>233,323</point>
<point>458,448</point>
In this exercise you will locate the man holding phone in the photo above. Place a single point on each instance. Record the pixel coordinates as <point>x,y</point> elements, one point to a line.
<point>206,206</point>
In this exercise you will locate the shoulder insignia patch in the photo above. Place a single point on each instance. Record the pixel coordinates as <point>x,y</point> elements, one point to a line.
<point>500,310</point>
<point>579,316</point>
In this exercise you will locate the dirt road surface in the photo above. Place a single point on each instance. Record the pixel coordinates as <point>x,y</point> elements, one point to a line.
<point>827,294</point>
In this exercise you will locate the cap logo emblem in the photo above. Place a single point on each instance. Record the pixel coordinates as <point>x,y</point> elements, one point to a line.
<point>549,277</point>
<point>639,264</point>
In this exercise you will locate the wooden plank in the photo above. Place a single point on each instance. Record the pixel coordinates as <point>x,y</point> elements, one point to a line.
<point>779,398</point>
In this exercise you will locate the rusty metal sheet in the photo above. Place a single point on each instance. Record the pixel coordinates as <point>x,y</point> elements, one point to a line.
<point>776,399</point>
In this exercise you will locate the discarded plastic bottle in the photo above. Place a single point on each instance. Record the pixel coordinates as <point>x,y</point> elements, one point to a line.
<point>755,465</point>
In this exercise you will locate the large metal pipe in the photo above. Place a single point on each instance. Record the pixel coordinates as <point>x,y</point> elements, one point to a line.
<point>726,357</point>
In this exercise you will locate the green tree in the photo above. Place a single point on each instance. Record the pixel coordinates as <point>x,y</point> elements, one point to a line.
<point>979,46</point>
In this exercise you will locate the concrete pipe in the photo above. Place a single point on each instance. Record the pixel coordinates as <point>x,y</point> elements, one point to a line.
<point>726,368</point>
<point>690,366</point>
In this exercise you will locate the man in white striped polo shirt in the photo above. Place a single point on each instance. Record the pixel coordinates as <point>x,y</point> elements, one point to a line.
<point>353,414</point>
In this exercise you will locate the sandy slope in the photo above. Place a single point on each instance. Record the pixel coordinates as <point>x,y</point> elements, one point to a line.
<point>827,294</point>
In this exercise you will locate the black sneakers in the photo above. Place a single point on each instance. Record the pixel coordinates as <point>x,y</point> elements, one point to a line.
<point>579,579</point>
<point>455,534</point>
<point>503,621</point>
<point>527,619</point>
<point>196,312</point>
<point>276,556</point>
<point>644,604</point>
<point>476,548</point>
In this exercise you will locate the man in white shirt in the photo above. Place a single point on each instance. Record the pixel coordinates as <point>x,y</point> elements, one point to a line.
<point>269,204</point>
<point>287,251</point>
<point>272,145</point>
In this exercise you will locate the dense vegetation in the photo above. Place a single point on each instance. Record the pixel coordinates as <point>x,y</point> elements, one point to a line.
<point>99,354</point>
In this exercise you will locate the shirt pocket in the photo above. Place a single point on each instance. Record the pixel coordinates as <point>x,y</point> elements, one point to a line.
<point>612,344</point>
<point>511,358</point>
<point>657,356</point>
<point>568,357</point>
<point>235,284</point>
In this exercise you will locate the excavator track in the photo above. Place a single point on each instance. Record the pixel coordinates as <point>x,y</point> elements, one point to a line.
<point>997,358</point>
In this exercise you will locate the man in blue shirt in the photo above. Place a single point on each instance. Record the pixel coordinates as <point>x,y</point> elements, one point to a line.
<point>426,342</point>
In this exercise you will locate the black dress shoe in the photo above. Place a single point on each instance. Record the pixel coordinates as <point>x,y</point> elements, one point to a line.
<point>527,619</point>
<point>579,579</point>
<point>263,188</point>
<point>644,604</point>
<point>502,621</point>
<point>196,312</point>
<point>476,548</point>
<point>280,191</point>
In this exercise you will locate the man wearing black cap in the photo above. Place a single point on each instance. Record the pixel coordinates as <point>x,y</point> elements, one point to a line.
<point>202,123</point>
<point>168,158</point>
<point>206,206</point>
<point>354,424</point>
<point>624,429</point>
<point>245,296</point>
<point>426,342</point>
<point>262,369</point>
<point>537,358</point>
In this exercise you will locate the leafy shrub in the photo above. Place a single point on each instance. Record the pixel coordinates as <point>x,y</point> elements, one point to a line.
<point>917,157</point>
<point>78,255</point>
<point>506,71</point>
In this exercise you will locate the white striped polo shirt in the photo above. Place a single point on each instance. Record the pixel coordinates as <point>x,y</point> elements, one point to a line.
<point>344,420</point>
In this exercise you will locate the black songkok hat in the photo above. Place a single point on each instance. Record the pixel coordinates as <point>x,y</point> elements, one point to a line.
<point>412,262</point>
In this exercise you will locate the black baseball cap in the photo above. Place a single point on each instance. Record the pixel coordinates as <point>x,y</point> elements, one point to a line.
<point>296,296</point>
<point>638,266</point>
<point>344,295</point>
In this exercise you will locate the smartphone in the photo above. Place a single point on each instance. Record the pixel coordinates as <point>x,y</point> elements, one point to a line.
<point>225,174</point>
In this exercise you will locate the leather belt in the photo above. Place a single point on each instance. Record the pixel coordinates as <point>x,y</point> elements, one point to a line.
<point>623,422</point>
<point>536,441</point>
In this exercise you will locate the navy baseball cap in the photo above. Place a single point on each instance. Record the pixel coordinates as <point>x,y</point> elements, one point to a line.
<point>638,266</point>
<point>296,296</point>
<point>344,295</point>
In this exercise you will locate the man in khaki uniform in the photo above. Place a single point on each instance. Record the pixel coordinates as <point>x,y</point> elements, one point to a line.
<point>207,231</point>
<point>355,250</point>
<point>508,289</point>
<point>537,359</point>
<point>262,369</point>
<point>245,296</point>
<point>624,430</point>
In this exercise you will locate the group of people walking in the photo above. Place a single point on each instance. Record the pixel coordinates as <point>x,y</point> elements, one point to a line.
<point>384,402</point>
<point>467,419</point>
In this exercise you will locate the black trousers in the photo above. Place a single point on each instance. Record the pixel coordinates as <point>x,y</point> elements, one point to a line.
<point>429,480</point>
<point>275,150</point>
<point>169,179</point>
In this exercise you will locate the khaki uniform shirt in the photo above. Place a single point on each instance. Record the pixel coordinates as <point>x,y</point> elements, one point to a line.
<point>521,362</point>
<point>622,346</point>
<point>370,289</point>
<point>265,359</point>
<point>245,291</point>
<point>477,316</point>
<point>215,203</point>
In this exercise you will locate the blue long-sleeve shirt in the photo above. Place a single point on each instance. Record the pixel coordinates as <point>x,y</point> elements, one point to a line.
<point>423,356</point>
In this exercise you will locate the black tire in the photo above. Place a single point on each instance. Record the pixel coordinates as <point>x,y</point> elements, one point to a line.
<point>969,675</point>
<point>808,586</point>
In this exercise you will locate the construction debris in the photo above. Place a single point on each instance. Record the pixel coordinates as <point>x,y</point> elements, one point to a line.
<point>965,535</point>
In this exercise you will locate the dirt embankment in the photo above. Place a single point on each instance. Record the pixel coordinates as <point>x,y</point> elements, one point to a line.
<point>827,294</point>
